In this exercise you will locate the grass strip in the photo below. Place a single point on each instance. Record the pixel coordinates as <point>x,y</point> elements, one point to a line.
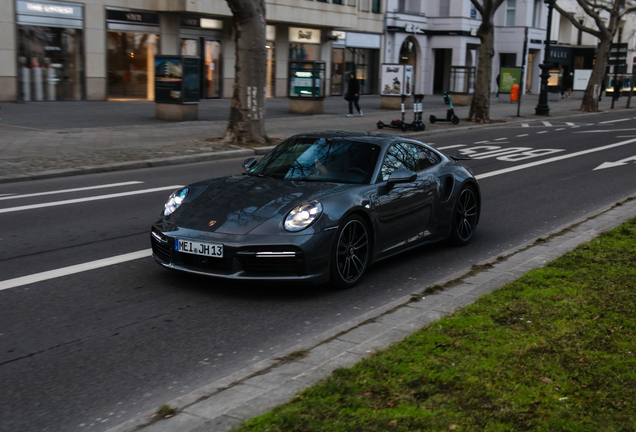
<point>552,351</point>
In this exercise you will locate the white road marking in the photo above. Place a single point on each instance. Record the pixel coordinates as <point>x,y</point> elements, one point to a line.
<point>615,164</point>
<point>542,132</point>
<point>452,146</point>
<point>87,199</point>
<point>554,159</point>
<point>560,129</point>
<point>480,142</point>
<point>608,130</point>
<point>546,123</point>
<point>614,121</point>
<point>570,124</point>
<point>500,139</point>
<point>523,135</point>
<point>65,271</point>
<point>525,125</point>
<point>13,196</point>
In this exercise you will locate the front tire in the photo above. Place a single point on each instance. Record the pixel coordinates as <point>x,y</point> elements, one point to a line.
<point>351,253</point>
<point>465,217</point>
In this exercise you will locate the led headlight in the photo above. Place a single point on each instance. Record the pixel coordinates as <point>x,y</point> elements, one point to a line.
<point>175,201</point>
<point>303,216</point>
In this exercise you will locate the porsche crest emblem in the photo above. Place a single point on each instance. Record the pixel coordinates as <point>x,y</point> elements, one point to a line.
<point>211,223</point>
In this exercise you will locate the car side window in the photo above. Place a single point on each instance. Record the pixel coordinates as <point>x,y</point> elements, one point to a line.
<point>427,158</point>
<point>399,156</point>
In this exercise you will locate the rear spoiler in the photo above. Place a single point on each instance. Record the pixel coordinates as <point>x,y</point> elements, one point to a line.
<point>458,157</point>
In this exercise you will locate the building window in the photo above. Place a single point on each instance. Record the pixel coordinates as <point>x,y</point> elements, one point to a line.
<point>375,6</point>
<point>444,8</point>
<point>336,2</point>
<point>536,15</point>
<point>511,9</point>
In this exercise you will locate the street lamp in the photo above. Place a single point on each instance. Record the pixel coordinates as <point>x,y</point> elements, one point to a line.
<point>542,107</point>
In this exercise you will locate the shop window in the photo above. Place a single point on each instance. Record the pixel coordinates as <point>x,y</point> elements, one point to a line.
<point>130,58</point>
<point>51,63</point>
<point>304,52</point>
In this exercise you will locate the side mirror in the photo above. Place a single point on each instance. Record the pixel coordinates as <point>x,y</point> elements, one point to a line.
<point>248,164</point>
<point>401,176</point>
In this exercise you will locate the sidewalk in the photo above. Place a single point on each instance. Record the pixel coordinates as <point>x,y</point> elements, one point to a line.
<point>52,139</point>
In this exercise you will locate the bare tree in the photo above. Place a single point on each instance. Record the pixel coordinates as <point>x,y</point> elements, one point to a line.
<point>247,121</point>
<point>480,105</point>
<point>606,15</point>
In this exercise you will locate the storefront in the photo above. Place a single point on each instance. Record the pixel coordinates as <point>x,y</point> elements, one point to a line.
<point>304,44</point>
<point>131,45</point>
<point>357,53</point>
<point>50,50</point>
<point>202,37</point>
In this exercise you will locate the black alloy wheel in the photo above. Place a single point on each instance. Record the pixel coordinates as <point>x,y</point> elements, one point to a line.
<point>351,253</point>
<point>465,216</point>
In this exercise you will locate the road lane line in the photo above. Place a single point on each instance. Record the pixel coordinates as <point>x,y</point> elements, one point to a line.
<point>525,125</point>
<point>450,147</point>
<point>13,196</point>
<point>500,139</point>
<point>554,159</point>
<point>614,121</point>
<point>607,130</point>
<point>87,199</point>
<point>547,123</point>
<point>522,135</point>
<point>66,271</point>
<point>569,123</point>
<point>542,132</point>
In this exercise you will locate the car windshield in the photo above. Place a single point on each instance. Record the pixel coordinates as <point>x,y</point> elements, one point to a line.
<point>338,160</point>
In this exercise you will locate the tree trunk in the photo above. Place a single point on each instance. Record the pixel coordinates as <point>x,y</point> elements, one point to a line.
<point>594,86</point>
<point>480,106</point>
<point>247,114</point>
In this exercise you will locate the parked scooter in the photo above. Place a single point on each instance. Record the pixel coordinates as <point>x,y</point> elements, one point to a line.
<point>417,125</point>
<point>450,113</point>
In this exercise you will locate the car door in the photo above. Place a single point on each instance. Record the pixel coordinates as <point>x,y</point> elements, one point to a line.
<point>403,210</point>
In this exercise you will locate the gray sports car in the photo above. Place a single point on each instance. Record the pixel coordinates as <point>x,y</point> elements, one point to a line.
<point>319,207</point>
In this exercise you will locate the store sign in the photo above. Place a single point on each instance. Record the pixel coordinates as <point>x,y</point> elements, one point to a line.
<point>60,10</point>
<point>363,40</point>
<point>581,79</point>
<point>560,55</point>
<point>304,35</point>
<point>339,35</point>
<point>132,17</point>
<point>211,24</point>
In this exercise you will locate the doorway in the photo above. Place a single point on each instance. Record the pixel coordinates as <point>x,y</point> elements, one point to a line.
<point>441,81</point>
<point>210,64</point>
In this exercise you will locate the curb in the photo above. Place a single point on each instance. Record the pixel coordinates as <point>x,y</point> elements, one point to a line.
<point>227,402</point>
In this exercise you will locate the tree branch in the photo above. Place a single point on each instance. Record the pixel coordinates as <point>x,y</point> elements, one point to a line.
<point>570,16</point>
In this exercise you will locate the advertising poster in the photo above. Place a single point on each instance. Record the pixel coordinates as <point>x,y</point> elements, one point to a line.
<point>168,79</point>
<point>392,79</point>
<point>407,89</point>
<point>508,77</point>
<point>191,79</point>
<point>581,79</point>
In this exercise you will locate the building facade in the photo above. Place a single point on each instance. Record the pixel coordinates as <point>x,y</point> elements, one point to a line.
<point>104,49</point>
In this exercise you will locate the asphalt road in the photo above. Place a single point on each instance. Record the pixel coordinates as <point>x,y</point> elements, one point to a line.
<point>85,349</point>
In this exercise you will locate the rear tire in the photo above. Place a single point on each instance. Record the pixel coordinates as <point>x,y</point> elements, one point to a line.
<point>465,216</point>
<point>351,253</point>
<point>455,120</point>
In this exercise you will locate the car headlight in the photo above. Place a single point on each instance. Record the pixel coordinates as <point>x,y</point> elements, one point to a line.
<point>302,216</point>
<point>175,201</point>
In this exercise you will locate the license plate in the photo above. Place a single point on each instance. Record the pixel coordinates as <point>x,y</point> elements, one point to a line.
<point>206,249</point>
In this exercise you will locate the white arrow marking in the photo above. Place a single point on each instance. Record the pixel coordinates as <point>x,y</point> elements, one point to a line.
<point>615,164</point>
<point>65,271</point>
<point>554,159</point>
<point>95,198</point>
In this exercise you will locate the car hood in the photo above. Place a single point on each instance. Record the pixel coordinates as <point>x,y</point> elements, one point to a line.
<point>239,204</point>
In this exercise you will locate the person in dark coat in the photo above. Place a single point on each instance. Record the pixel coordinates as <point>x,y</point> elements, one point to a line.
<point>353,94</point>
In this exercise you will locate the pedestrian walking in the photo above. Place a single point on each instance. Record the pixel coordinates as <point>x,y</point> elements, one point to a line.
<point>353,94</point>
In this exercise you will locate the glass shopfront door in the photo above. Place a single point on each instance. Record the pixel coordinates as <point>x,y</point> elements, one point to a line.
<point>212,65</point>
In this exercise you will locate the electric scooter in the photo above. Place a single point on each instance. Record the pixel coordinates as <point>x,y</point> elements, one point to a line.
<point>417,125</point>
<point>395,123</point>
<point>450,113</point>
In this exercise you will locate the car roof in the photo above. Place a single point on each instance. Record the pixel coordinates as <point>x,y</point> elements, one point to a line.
<point>366,136</point>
